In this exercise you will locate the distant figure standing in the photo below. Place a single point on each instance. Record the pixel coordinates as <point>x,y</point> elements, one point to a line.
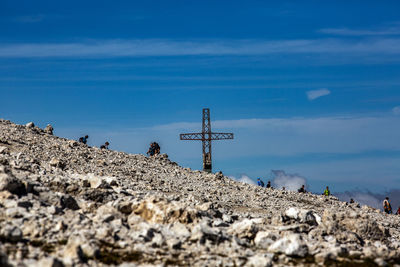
<point>105,146</point>
<point>398,211</point>
<point>327,192</point>
<point>269,184</point>
<point>386,206</point>
<point>260,182</point>
<point>84,139</point>
<point>302,189</point>
<point>351,201</point>
<point>283,188</point>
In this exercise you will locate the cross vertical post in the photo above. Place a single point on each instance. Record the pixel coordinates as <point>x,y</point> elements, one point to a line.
<point>206,136</point>
<point>206,140</point>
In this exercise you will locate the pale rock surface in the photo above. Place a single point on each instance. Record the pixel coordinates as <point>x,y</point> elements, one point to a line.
<point>291,245</point>
<point>30,125</point>
<point>63,203</point>
<point>49,129</point>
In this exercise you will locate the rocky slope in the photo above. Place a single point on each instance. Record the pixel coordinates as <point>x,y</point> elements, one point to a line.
<point>63,203</point>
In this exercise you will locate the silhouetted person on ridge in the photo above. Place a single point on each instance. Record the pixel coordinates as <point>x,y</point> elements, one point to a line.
<point>151,150</point>
<point>269,184</point>
<point>154,149</point>
<point>105,146</point>
<point>351,201</point>
<point>260,182</point>
<point>83,139</point>
<point>302,189</point>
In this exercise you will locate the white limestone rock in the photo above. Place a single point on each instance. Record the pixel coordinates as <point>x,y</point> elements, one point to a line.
<point>290,245</point>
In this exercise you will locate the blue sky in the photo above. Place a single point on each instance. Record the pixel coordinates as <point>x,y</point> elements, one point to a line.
<point>310,87</point>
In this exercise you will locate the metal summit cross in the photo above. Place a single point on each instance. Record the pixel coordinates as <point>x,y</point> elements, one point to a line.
<point>206,136</point>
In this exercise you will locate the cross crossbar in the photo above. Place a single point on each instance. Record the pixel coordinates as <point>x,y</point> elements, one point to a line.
<point>201,137</point>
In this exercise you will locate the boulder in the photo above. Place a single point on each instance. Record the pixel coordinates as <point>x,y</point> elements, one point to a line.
<point>243,229</point>
<point>303,216</point>
<point>180,231</point>
<point>11,233</point>
<point>290,245</point>
<point>49,129</point>
<point>49,262</point>
<point>11,184</point>
<point>69,202</point>
<point>73,252</point>
<point>264,239</point>
<point>258,261</point>
<point>4,150</point>
<point>55,162</point>
<point>158,210</point>
<point>202,232</point>
<point>30,125</point>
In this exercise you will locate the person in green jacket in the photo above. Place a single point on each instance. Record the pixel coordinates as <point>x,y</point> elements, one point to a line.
<point>327,192</point>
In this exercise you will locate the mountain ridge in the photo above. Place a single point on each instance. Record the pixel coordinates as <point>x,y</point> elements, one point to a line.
<point>64,203</point>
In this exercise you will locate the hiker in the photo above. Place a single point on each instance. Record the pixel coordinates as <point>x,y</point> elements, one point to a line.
<point>327,192</point>
<point>105,146</point>
<point>83,139</point>
<point>351,201</point>
<point>260,182</point>
<point>156,148</point>
<point>152,149</point>
<point>269,184</point>
<point>283,188</point>
<point>302,189</point>
<point>386,206</point>
<point>398,211</point>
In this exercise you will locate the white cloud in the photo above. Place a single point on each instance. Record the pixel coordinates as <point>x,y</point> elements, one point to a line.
<point>167,47</point>
<point>396,110</point>
<point>291,182</point>
<point>314,94</point>
<point>244,179</point>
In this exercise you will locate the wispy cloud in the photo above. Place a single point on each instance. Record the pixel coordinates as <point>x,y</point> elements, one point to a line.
<point>314,94</point>
<point>29,19</point>
<point>391,30</point>
<point>166,47</point>
<point>244,179</point>
<point>396,110</point>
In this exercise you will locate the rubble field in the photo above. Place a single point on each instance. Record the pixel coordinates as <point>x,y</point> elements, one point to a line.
<point>63,203</point>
